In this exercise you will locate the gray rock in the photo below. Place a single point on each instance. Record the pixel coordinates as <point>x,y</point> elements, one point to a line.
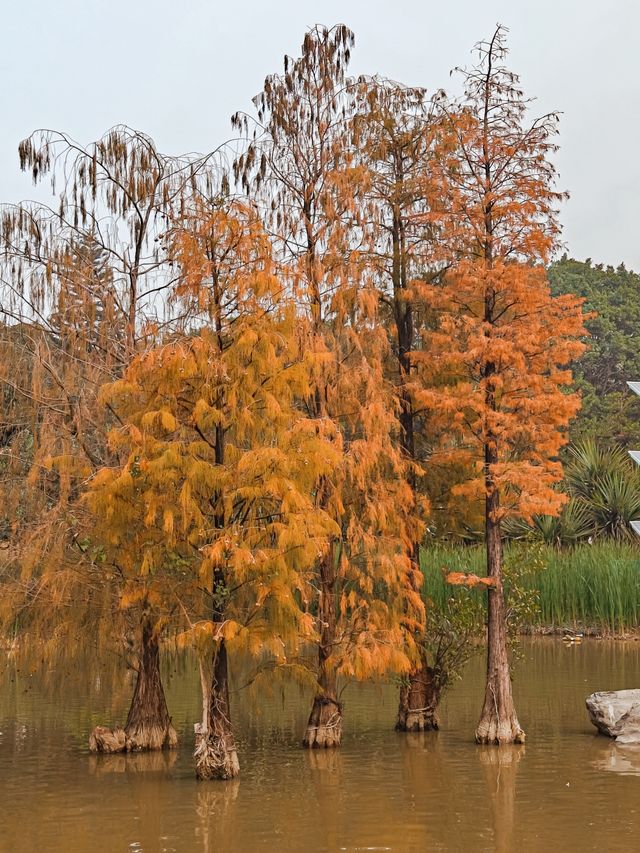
<point>616,714</point>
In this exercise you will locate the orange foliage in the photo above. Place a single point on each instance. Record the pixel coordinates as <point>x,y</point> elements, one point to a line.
<point>301,166</point>
<point>503,343</point>
<point>468,580</point>
<point>210,515</point>
<point>494,371</point>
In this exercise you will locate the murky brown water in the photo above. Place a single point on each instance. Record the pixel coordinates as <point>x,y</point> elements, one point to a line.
<point>566,790</point>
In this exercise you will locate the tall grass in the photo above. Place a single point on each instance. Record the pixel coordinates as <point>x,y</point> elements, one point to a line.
<point>589,586</point>
<point>592,585</point>
<point>438,558</point>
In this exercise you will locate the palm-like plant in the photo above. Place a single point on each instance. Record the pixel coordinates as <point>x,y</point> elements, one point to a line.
<point>573,525</point>
<point>606,483</point>
<point>604,489</point>
<point>588,462</point>
<point>615,503</point>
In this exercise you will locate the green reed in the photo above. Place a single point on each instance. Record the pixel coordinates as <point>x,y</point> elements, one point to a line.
<point>589,586</point>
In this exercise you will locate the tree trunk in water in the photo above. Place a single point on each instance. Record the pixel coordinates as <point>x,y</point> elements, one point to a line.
<point>498,721</point>
<point>215,753</point>
<point>148,724</point>
<point>419,700</point>
<point>420,695</point>
<point>324,729</point>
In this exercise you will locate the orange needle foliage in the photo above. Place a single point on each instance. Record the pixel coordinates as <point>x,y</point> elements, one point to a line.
<point>83,282</point>
<point>506,381</point>
<point>397,141</point>
<point>212,517</point>
<point>300,164</point>
<point>494,370</point>
<point>464,579</point>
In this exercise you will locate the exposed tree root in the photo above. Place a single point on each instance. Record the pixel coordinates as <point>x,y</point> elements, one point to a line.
<point>419,700</point>
<point>324,729</point>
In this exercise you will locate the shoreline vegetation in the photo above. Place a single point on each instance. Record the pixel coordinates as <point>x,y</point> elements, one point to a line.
<point>593,589</point>
<point>589,589</point>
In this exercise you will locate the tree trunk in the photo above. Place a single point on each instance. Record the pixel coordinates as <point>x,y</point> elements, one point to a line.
<point>324,729</point>
<point>419,700</point>
<point>148,724</point>
<point>498,721</point>
<point>215,753</point>
<point>420,696</point>
<point>215,750</point>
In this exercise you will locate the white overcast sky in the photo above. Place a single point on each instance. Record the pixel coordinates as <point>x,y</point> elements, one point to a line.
<point>177,69</point>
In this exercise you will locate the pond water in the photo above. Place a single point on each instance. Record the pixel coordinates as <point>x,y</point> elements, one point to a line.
<point>567,789</point>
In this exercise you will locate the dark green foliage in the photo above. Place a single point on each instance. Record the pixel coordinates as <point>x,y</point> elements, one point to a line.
<point>607,483</point>
<point>588,461</point>
<point>609,410</point>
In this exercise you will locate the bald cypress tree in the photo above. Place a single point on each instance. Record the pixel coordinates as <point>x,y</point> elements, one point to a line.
<point>213,514</point>
<point>300,165</point>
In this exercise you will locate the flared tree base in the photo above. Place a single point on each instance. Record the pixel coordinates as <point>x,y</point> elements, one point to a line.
<point>142,738</point>
<point>324,729</point>
<point>419,700</point>
<point>107,740</point>
<point>145,737</point>
<point>496,731</point>
<point>215,755</point>
<point>418,721</point>
<point>148,725</point>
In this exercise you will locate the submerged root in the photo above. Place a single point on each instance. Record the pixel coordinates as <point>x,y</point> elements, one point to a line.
<point>418,720</point>
<point>324,729</point>
<point>215,755</point>
<point>141,738</point>
<point>107,740</point>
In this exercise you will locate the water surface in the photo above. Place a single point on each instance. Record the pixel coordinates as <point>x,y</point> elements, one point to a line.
<point>567,789</point>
